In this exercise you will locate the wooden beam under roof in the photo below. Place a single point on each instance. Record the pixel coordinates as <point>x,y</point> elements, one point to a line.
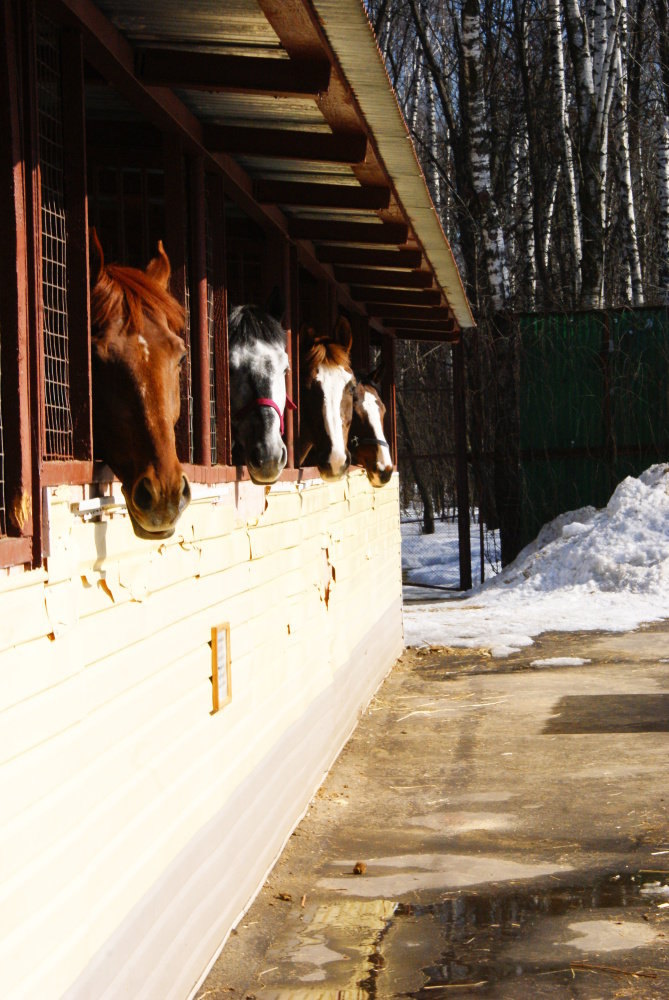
<point>213,71</point>
<point>348,232</point>
<point>326,147</point>
<point>404,257</point>
<point>447,335</point>
<point>391,313</point>
<point>345,196</point>
<point>402,324</point>
<point>380,278</point>
<point>396,296</point>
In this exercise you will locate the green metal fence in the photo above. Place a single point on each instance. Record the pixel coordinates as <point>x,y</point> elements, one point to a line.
<point>594,407</point>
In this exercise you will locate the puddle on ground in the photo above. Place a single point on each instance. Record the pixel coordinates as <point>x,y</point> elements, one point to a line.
<point>610,713</point>
<point>527,943</point>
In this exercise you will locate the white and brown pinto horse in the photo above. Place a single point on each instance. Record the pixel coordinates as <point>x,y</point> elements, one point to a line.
<point>258,366</point>
<point>327,386</point>
<point>367,440</point>
<point>137,352</point>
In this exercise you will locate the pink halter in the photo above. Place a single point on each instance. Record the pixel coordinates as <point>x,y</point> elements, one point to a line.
<point>290,405</point>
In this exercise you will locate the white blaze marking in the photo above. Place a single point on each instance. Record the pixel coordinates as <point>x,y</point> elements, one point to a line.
<point>267,360</point>
<point>371,408</point>
<point>333,381</point>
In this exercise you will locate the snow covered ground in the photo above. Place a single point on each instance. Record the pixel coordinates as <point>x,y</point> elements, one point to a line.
<point>588,569</point>
<point>433,560</point>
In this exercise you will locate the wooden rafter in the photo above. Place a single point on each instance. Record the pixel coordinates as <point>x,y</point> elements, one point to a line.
<point>348,232</point>
<point>404,257</point>
<point>191,70</point>
<point>396,296</point>
<point>343,196</point>
<point>378,277</point>
<point>391,313</point>
<point>326,147</point>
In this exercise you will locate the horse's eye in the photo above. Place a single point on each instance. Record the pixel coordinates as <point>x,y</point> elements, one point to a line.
<point>182,359</point>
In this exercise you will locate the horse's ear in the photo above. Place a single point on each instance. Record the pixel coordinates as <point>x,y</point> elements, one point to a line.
<point>307,333</point>
<point>343,333</point>
<point>159,268</point>
<point>96,256</point>
<point>275,306</point>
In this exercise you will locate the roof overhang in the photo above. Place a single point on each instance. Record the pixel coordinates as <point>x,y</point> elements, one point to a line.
<point>291,99</point>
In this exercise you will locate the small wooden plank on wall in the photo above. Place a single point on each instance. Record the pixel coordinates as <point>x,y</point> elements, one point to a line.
<point>221,679</point>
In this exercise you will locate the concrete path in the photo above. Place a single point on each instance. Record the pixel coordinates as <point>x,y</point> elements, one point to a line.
<point>508,824</point>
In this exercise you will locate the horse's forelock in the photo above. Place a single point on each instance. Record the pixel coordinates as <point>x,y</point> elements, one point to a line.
<point>130,291</point>
<point>248,325</point>
<point>329,353</point>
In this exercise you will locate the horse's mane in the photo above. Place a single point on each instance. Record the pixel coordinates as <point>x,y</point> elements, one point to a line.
<point>327,352</point>
<point>249,324</point>
<point>136,294</point>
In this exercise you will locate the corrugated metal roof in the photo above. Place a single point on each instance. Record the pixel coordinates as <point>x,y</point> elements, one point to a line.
<point>348,30</point>
<point>241,27</point>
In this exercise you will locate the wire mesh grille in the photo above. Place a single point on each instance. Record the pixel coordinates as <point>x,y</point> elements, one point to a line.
<point>59,439</point>
<point>209,250</point>
<point>3,509</point>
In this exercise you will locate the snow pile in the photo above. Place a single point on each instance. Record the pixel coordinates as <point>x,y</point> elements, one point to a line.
<point>434,560</point>
<point>588,569</point>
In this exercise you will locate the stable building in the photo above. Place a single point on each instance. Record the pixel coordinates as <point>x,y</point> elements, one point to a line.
<point>168,709</point>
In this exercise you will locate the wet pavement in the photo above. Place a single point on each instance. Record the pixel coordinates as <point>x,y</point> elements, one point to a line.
<point>492,829</point>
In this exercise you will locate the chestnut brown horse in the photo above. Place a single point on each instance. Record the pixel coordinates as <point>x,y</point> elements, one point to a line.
<point>327,385</point>
<point>137,354</point>
<point>367,440</point>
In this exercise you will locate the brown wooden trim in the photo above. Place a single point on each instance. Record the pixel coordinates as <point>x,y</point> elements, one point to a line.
<point>293,348</point>
<point>405,257</point>
<point>176,229</point>
<point>216,72</point>
<point>319,146</point>
<point>14,315</point>
<point>76,222</point>
<point>379,278</point>
<point>461,475</point>
<point>198,306</point>
<point>14,551</point>
<point>443,336</point>
<point>348,232</point>
<point>344,196</point>
<point>66,473</point>
<point>222,370</point>
<point>390,312</point>
<point>396,296</point>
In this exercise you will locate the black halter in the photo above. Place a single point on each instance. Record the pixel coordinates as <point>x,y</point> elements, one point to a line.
<point>355,442</point>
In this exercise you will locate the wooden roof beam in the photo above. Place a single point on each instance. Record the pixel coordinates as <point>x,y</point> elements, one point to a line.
<point>404,257</point>
<point>396,296</point>
<point>447,334</point>
<point>391,314</point>
<point>326,147</point>
<point>212,71</point>
<point>348,232</point>
<point>381,278</point>
<point>344,196</point>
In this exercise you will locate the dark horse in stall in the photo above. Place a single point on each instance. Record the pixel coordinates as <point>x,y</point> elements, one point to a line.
<point>367,440</point>
<point>327,387</point>
<point>258,368</point>
<point>137,352</point>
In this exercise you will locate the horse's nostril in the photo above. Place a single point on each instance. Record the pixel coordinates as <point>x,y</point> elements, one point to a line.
<point>185,489</point>
<point>143,496</point>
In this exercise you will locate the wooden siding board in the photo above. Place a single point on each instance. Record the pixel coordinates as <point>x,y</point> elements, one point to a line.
<point>115,726</point>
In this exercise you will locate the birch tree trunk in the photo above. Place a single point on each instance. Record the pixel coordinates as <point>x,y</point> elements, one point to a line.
<point>593,87</point>
<point>662,19</point>
<point>566,152</point>
<point>624,169</point>
<point>479,156</point>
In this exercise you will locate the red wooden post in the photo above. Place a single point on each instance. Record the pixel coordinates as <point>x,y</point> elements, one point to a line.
<point>461,474</point>
<point>216,207</point>
<point>199,325</point>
